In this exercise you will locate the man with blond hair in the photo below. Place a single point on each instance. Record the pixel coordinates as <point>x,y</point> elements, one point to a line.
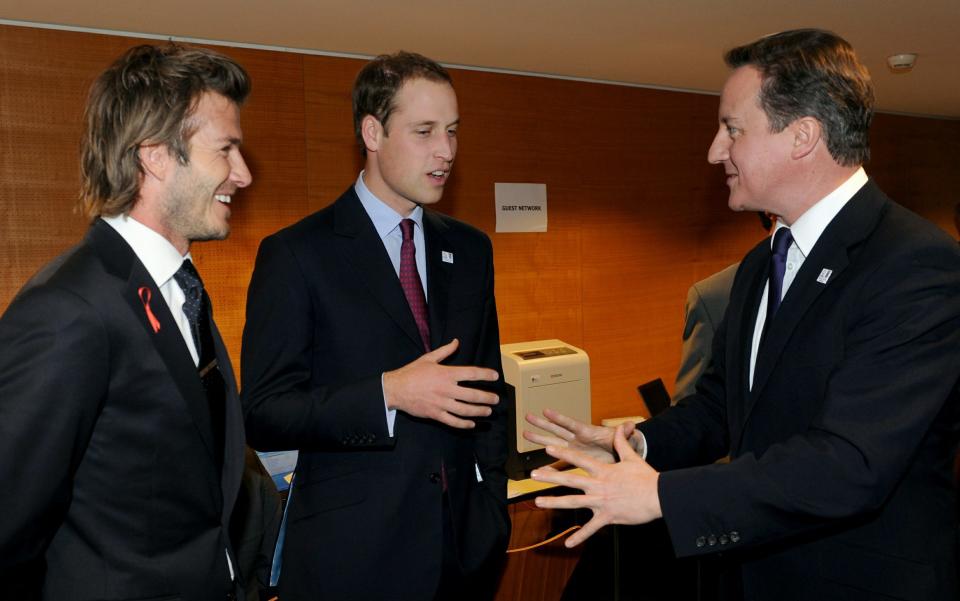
<point>120,426</point>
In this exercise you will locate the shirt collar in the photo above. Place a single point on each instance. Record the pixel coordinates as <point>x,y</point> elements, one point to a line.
<point>807,229</point>
<point>385,219</point>
<point>157,254</point>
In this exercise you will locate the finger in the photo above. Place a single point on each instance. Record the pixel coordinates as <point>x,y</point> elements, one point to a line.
<point>471,373</point>
<point>588,530</point>
<point>468,409</point>
<point>542,439</point>
<point>577,458</point>
<point>628,428</point>
<point>564,421</point>
<point>472,395</point>
<point>623,448</point>
<point>549,426</point>
<point>442,352</point>
<point>564,502</point>
<point>568,479</point>
<point>455,422</point>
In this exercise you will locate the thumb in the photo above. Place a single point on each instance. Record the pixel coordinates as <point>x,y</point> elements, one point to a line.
<point>622,447</point>
<point>442,352</point>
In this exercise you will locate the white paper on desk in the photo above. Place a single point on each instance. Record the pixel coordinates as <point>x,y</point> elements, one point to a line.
<point>521,207</point>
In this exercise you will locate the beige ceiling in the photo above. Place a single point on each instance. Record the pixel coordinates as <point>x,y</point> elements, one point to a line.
<point>646,42</point>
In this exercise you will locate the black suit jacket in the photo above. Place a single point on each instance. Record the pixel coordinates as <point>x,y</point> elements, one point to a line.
<point>326,316</point>
<point>111,487</point>
<point>839,485</point>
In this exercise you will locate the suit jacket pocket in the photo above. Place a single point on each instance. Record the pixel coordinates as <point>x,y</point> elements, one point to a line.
<point>318,494</point>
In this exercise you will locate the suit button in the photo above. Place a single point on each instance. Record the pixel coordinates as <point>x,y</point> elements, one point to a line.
<point>712,540</point>
<point>724,539</point>
<point>434,477</point>
<point>734,537</point>
<point>231,597</point>
<point>701,541</point>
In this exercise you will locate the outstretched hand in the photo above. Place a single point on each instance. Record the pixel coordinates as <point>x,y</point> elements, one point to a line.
<point>425,388</point>
<point>620,493</point>
<point>566,432</point>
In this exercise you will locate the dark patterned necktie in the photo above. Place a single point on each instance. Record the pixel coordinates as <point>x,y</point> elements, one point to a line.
<point>197,309</point>
<point>192,286</point>
<point>410,281</point>
<point>778,264</point>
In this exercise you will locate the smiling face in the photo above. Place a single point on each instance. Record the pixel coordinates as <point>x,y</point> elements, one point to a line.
<point>755,159</point>
<point>410,157</point>
<point>195,199</point>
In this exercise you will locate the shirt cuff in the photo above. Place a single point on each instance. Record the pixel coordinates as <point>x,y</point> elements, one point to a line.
<point>391,413</point>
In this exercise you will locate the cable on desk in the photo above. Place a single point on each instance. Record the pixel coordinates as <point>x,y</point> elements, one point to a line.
<point>542,543</point>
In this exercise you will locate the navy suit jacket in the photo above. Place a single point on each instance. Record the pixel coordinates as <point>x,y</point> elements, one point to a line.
<point>326,316</point>
<point>112,488</point>
<point>839,484</point>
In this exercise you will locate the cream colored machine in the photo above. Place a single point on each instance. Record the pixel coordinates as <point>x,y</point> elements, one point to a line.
<point>542,374</point>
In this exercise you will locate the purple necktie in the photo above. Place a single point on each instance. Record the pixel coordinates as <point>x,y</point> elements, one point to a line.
<point>778,263</point>
<point>410,281</point>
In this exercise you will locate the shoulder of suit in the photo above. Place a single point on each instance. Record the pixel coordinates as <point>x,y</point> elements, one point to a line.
<point>78,272</point>
<point>312,225</point>
<point>456,228</point>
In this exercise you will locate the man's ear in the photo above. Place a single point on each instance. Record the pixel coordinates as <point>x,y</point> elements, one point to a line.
<point>372,131</point>
<point>156,160</point>
<point>807,133</point>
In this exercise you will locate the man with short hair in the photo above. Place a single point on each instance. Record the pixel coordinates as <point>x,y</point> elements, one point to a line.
<point>371,345</point>
<point>834,378</point>
<point>120,425</point>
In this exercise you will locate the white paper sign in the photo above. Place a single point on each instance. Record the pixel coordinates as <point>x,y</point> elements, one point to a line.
<point>521,207</point>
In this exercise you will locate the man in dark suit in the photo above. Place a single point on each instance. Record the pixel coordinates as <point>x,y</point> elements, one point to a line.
<point>838,404</point>
<point>703,311</point>
<point>120,426</point>
<point>362,320</point>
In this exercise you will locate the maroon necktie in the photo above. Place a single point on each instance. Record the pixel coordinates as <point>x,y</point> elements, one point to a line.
<point>410,281</point>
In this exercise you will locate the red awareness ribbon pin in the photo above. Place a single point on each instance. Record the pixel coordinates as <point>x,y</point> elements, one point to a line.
<point>145,296</point>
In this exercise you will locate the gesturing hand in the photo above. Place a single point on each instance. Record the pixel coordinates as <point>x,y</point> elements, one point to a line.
<point>595,441</point>
<point>621,493</point>
<point>424,388</point>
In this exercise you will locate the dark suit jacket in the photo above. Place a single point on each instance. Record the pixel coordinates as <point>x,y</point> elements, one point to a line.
<point>111,490</point>
<point>326,316</point>
<point>839,484</point>
<point>706,303</point>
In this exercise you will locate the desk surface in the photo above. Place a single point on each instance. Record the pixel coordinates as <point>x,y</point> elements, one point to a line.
<point>521,488</point>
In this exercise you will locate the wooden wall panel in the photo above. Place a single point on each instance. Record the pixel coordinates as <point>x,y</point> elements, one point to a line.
<point>636,214</point>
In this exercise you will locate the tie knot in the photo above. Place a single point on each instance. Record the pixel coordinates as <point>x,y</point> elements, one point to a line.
<point>782,241</point>
<point>188,279</point>
<point>406,228</point>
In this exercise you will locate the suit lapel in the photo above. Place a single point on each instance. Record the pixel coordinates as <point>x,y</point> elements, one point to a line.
<point>361,248</point>
<point>233,427</point>
<point>830,257</point>
<point>141,292</point>
<point>439,272</point>
<point>742,317</point>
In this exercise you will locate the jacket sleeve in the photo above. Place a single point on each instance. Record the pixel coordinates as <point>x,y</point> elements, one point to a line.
<point>884,398</point>
<point>53,377</point>
<point>283,409</point>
